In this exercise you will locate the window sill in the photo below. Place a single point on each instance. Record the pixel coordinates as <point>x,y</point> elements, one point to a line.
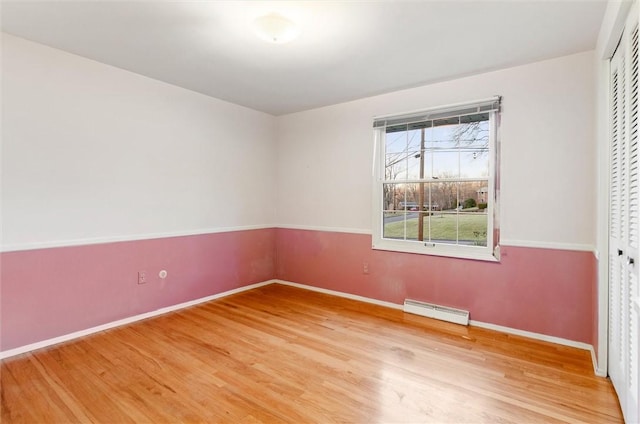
<point>458,252</point>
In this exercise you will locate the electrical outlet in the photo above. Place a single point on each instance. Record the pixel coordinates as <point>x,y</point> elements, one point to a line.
<point>365,267</point>
<point>142,277</point>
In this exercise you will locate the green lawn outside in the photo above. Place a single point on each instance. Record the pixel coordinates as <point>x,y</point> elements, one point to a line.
<point>472,227</point>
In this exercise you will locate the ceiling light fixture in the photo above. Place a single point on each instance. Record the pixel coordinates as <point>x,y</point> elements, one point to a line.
<point>275,29</point>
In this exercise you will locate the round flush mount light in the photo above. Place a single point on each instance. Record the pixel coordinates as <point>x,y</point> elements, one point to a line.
<point>275,29</point>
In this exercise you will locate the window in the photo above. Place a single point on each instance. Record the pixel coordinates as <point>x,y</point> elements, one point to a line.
<point>435,181</point>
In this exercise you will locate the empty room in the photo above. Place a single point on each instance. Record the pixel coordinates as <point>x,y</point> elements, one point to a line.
<point>320,211</point>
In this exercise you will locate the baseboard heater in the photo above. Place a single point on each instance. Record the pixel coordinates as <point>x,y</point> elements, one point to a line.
<point>430,310</point>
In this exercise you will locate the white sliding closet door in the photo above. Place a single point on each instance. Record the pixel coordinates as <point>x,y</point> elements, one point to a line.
<point>624,306</point>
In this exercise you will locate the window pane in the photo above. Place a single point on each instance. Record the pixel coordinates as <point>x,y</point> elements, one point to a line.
<point>398,204</point>
<point>406,225</point>
<point>464,228</point>
<point>473,219</point>
<point>444,194</point>
<point>389,194</point>
<point>474,149</point>
<point>472,228</point>
<point>426,226</point>
<point>444,227</point>
<point>414,165</point>
<point>431,201</point>
<point>444,221</point>
<point>402,154</point>
<point>412,226</point>
<point>445,159</point>
<point>395,142</point>
<point>394,224</point>
<point>401,197</point>
<point>416,162</point>
<point>395,166</point>
<point>414,140</point>
<point>473,193</point>
<point>401,214</point>
<point>445,164</point>
<point>474,162</point>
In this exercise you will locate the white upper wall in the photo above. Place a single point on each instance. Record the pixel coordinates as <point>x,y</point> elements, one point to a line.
<point>548,174</point>
<point>91,152</point>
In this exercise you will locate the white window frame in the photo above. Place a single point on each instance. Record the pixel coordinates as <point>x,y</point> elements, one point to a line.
<point>490,252</point>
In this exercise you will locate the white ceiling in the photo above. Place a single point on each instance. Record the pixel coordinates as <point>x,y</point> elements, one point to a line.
<point>347,49</point>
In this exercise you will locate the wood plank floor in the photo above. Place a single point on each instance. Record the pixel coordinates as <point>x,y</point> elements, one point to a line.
<point>281,354</point>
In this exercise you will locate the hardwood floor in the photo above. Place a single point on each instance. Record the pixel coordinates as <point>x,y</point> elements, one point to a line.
<point>281,354</point>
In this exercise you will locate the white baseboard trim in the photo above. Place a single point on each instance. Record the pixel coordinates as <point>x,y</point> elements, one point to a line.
<point>597,368</point>
<point>531,335</point>
<point>546,338</point>
<point>341,294</point>
<point>125,321</point>
<point>489,326</point>
<point>45,343</point>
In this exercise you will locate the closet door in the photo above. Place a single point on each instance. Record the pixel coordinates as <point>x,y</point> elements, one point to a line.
<point>624,306</point>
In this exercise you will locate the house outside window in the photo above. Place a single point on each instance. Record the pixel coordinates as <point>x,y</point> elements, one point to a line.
<point>435,181</point>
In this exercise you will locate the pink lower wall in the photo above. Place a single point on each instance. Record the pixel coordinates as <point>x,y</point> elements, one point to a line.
<point>545,291</point>
<point>47,293</point>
